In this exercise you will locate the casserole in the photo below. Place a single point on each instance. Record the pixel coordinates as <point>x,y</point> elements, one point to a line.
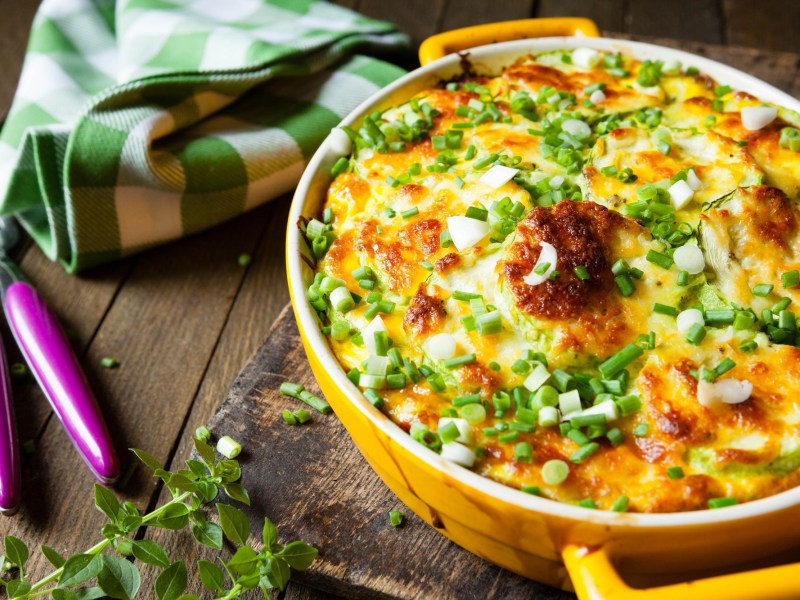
<point>527,534</point>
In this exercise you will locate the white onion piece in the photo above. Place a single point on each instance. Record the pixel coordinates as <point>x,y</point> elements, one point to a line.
<point>466,232</point>
<point>693,181</point>
<point>727,391</point>
<point>585,57</point>
<point>687,318</point>
<point>498,176</point>
<point>368,333</point>
<point>680,193</point>
<point>671,67</point>
<point>537,378</point>
<point>556,182</point>
<point>547,255</point>
<point>441,346</point>
<point>690,259</point>
<point>461,455</point>
<point>758,117</point>
<point>576,127</point>
<point>569,402</point>
<point>607,408</point>
<point>464,429</point>
<point>339,142</point>
<point>597,97</point>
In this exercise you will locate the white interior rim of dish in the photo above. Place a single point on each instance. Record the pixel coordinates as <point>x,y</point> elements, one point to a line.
<point>490,60</point>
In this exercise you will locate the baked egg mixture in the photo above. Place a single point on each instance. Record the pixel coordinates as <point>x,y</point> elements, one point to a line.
<point>576,278</point>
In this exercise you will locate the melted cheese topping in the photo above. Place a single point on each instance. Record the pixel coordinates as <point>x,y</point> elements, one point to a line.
<point>600,201</point>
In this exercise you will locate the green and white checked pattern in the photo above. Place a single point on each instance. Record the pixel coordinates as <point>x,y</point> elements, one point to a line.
<point>139,122</point>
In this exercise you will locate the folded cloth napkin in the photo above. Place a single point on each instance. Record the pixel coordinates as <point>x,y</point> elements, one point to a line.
<point>140,121</point>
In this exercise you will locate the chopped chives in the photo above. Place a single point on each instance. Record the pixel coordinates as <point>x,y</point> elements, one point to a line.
<point>477,212</point>
<point>763,289</point>
<point>615,436</point>
<point>511,436</point>
<point>787,320</point>
<point>790,279</point>
<point>720,316</point>
<point>657,258</point>
<point>620,360</point>
<point>445,239</point>
<point>373,397</point>
<point>696,334</point>
<point>748,346</point>
<point>641,429</point>
<point>425,265</point>
<point>489,323</point>
<point>523,452</point>
<point>665,309</point>
<point>291,389</point>
<point>449,432</point>
<point>473,413</point>
<point>584,420</point>
<point>395,518</point>
<point>584,452</point>
<point>366,284</point>
<point>464,400</point>
<point>490,431</point>
<point>314,402</point>
<point>288,417</point>
<point>466,296</point>
<point>782,304</point>
<point>628,405</point>
<point>625,285</point>
<point>485,161</point>
<point>722,502</point>
<point>683,278</point>
<point>582,273</point>
<point>674,472</point>
<point>723,367</point>
<point>470,154</point>
<point>452,363</point>
<point>554,472</point>
<point>494,366</point>
<point>577,436</point>
<point>620,504</point>
<point>411,212</point>
<point>340,166</point>
<point>530,489</point>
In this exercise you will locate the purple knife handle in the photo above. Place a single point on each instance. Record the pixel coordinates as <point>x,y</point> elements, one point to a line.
<point>10,481</point>
<point>56,368</point>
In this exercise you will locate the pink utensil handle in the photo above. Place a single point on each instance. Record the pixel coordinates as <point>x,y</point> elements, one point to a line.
<point>10,480</point>
<point>56,368</point>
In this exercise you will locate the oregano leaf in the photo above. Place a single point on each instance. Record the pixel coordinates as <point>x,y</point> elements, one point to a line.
<point>151,553</point>
<point>16,588</point>
<point>211,576</point>
<point>207,491</point>
<point>299,555</point>
<point>106,502</point>
<point>119,578</point>
<point>175,516</point>
<point>277,572</point>
<point>244,560</point>
<point>269,534</point>
<point>237,491</point>
<point>80,568</point>
<point>16,551</point>
<point>234,523</point>
<point>208,534</point>
<point>197,467</point>
<point>205,451</point>
<point>146,458</point>
<point>172,581</point>
<point>53,557</point>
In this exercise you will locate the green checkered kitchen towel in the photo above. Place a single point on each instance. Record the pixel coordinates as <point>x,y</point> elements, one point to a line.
<point>141,121</point>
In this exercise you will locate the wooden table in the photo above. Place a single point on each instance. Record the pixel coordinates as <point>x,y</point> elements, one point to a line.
<point>183,319</point>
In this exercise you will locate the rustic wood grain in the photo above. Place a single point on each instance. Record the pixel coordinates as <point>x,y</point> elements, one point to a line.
<point>765,24</point>
<point>316,486</point>
<point>15,25</point>
<point>698,20</point>
<point>456,15</point>
<point>608,14</point>
<point>418,18</point>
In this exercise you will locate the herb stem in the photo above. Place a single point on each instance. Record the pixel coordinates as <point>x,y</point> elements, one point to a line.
<point>232,593</point>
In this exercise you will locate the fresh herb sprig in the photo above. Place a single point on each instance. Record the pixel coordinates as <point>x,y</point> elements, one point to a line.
<point>104,570</point>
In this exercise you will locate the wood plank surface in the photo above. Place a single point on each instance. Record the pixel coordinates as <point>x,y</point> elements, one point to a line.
<point>182,319</point>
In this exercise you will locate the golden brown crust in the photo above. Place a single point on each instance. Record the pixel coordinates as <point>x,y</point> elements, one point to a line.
<point>424,315</point>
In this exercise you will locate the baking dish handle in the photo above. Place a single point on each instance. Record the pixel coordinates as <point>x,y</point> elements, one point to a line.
<point>442,44</point>
<point>595,578</point>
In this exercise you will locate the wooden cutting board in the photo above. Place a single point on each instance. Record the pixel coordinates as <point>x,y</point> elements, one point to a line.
<point>315,485</point>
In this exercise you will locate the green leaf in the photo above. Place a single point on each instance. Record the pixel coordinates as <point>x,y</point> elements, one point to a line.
<point>208,534</point>
<point>205,451</point>
<point>53,557</point>
<point>236,491</point>
<point>89,593</point>
<point>229,470</point>
<point>146,458</point>
<point>182,483</point>
<point>16,551</point>
<point>211,575</point>
<point>299,555</point>
<point>269,534</point>
<point>172,581</point>
<point>119,578</point>
<point>207,491</point>
<point>80,568</point>
<point>189,597</point>
<point>106,502</point>
<point>234,524</point>
<point>175,516</point>
<point>197,467</point>
<point>131,523</point>
<point>277,573</point>
<point>151,553</point>
<point>244,561</point>
<point>16,588</point>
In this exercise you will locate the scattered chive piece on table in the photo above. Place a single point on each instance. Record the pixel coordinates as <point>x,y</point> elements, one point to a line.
<point>245,260</point>
<point>289,417</point>
<point>395,518</point>
<point>302,416</point>
<point>202,433</point>
<point>108,362</point>
<point>228,447</point>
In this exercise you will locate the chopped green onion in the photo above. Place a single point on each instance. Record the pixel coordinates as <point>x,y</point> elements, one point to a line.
<point>340,166</point>
<point>342,300</point>
<point>584,452</point>
<point>477,212</point>
<point>411,212</point>
<point>301,416</point>
<point>449,432</point>
<point>473,413</point>
<point>228,447</point>
<point>722,502</point>
<point>683,278</point>
<point>790,279</point>
<point>452,363</point>
<point>108,362</point>
<point>577,436</point>
<point>291,389</point>
<point>314,402</point>
<point>763,289</point>
<point>790,139</point>
<point>782,304</point>
<point>641,429</point>
<point>555,472</point>
<point>696,334</point>
<point>674,472</point>
<point>748,346</point>
<point>665,309</point>
<point>620,360</point>
<point>523,452</point>
<point>511,436</point>
<point>288,417</point>
<point>202,433</point>
<point>662,260</point>
<point>464,400</point>
<point>582,273</point>
<point>620,504</point>
<point>625,285</point>
<point>530,489</point>
<point>395,518</point>
<point>628,405</point>
<point>615,436</point>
